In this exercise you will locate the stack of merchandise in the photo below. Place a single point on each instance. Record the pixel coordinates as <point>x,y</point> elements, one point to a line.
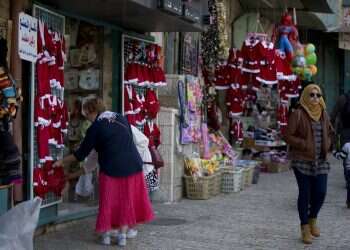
<point>51,116</point>
<point>263,63</point>
<point>275,161</point>
<point>142,75</point>
<point>190,102</point>
<point>10,96</point>
<point>202,178</point>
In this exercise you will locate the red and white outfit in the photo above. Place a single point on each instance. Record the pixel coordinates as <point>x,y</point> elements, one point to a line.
<point>42,122</point>
<point>236,130</point>
<point>130,110</point>
<point>152,132</point>
<point>43,60</point>
<point>293,88</point>
<point>267,74</point>
<point>283,87</point>
<point>55,178</point>
<point>39,182</point>
<point>234,102</point>
<point>222,77</point>
<point>283,67</point>
<point>140,104</point>
<point>152,105</point>
<point>131,73</point>
<point>282,117</point>
<point>250,54</point>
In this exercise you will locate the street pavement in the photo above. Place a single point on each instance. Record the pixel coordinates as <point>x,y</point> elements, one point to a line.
<point>262,217</point>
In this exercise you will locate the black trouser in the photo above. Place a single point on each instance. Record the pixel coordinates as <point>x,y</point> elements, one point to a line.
<point>312,193</point>
<point>347,180</point>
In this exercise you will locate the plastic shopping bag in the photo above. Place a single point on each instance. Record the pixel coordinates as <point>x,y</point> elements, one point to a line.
<point>18,225</point>
<point>84,187</point>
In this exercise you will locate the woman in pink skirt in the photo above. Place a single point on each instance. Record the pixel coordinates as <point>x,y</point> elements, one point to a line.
<point>124,201</point>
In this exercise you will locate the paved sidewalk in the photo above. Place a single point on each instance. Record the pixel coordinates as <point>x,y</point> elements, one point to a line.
<point>262,217</point>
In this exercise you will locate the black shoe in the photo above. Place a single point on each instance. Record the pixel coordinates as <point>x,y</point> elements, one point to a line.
<point>348,204</point>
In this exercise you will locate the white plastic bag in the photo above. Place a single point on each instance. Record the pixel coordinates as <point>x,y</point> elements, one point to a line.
<point>84,186</point>
<point>18,225</point>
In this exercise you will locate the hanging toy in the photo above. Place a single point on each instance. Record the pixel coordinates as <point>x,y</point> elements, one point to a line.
<point>286,34</point>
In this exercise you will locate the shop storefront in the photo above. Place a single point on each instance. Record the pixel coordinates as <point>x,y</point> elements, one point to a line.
<point>79,56</point>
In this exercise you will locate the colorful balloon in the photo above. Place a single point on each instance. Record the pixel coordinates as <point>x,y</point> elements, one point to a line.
<point>309,49</point>
<point>307,74</point>
<point>313,69</point>
<point>311,59</point>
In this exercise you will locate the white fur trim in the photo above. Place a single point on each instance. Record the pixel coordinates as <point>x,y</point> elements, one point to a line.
<point>266,81</point>
<point>232,114</point>
<point>222,87</point>
<point>254,71</point>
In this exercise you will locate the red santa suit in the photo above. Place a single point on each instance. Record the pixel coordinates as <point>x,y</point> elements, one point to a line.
<point>236,130</point>
<point>152,105</point>
<point>152,132</point>
<point>140,103</point>
<point>283,87</point>
<point>130,110</point>
<point>55,178</point>
<point>42,122</point>
<point>39,182</point>
<point>283,67</point>
<point>53,106</point>
<point>267,74</point>
<point>222,76</point>
<point>234,102</point>
<point>293,88</point>
<point>131,73</point>
<point>42,65</point>
<point>251,56</point>
<point>282,117</point>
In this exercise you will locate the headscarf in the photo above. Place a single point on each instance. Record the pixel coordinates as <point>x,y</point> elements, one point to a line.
<point>314,110</point>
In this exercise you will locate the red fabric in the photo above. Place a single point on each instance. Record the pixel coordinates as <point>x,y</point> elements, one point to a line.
<point>55,178</point>
<point>236,130</point>
<point>122,201</point>
<point>235,58</point>
<point>222,77</point>
<point>213,121</point>
<point>152,132</point>
<point>140,117</point>
<point>251,56</point>
<point>282,115</point>
<point>39,182</point>
<point>267,73</point>
<point>152,105</point>
<point>43,86</point>
<point>42,122</point>
<point>131,73</point>
<point>283,87</point>
<point>131,105</point>
<point>234,102</point>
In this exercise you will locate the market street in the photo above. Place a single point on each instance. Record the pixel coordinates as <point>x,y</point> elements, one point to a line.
<point>263,216</point>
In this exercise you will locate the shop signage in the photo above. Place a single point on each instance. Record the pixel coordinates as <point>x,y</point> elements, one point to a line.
<point>191,14</point>
<point>27,37</point>
<point>344,40</point>
<point>171,6</point>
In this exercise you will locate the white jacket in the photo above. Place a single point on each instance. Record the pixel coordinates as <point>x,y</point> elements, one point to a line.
<point>141,142</point>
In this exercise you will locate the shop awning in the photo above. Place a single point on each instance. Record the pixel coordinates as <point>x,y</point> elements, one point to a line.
<point>137,15</point>
<point>321,6</point>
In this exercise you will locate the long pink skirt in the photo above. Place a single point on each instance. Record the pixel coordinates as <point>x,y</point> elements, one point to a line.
<point>123,201</point>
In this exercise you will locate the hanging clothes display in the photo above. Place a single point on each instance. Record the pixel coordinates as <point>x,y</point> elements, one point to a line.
<point>50,111</point>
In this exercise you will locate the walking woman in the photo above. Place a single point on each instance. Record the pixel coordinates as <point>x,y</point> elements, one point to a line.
<point>123,199</point>
<point>309,134</point>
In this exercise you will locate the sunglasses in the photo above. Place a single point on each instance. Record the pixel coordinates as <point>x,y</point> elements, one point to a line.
<point>315,95</point>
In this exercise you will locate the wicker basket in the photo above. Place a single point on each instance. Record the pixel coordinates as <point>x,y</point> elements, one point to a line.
<point>215,188</point>
<point>231,180</point>
<point>200,188</point>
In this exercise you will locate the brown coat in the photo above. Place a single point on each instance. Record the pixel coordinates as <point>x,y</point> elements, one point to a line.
<point>299,136</point>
